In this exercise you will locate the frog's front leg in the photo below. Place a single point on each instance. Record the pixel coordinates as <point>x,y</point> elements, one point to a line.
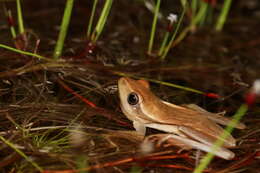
<point>139,127</point>
<point>163,140</point>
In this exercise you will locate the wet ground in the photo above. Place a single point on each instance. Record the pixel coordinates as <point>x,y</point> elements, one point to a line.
<point>40,111</point>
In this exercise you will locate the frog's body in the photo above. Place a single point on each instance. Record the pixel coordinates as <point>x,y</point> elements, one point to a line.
<point>192,124</point>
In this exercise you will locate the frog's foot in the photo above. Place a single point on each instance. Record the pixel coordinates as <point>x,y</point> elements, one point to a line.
<point>163,140</point>
<point>151,142</point>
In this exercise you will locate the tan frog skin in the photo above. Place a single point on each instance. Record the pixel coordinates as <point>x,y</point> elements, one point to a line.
<point>191,125</point>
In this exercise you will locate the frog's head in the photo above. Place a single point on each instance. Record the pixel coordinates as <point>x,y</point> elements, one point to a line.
<point>133,96</point>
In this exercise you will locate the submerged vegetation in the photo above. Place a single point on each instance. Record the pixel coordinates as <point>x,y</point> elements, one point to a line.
<point>59,106</point>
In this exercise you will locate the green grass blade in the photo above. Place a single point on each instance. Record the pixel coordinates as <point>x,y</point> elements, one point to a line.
<point>223,15</point>
<point>162,83</point>
<point>9,16</point>
<point>91,18</point>
<point>102,20</point>
<point>235,120</point>
<point>201,13</point>
<point>24,52</point>
<point>12,29</point>
<point>204,14</point>
<point>21,153</point>
<point>195,20</point>
<point>64,28</point>
<point>194,6</point>
<point>155,18</point>
<point>162,48</point>
<point>174,85</point>
<point>183,3</point>
<point>19,16</point>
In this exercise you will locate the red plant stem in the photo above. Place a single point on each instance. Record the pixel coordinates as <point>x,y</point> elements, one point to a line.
<point>168,157</point>
<point>250,98</point>
<point>170,166</point>
<point>123,161</point>
<point>257,154</point>
<point>10,21</point>
<point>170,27</point>
<point>91,104</point>
<point>98,166</point>
<point>246,161</point>
<point>76,94</point>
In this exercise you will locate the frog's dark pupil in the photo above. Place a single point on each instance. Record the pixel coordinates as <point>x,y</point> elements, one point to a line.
<point>133,98</point>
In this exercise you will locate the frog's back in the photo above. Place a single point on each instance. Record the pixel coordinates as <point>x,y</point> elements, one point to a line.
<point>182,116</point>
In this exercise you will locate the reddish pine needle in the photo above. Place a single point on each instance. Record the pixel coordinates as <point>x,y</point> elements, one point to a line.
<point>124,161</point>
<point>10,21</point>
<point>93,105</point>
<point>168,157</point>
<point>257,154</point>
<point>98,166</point>
<point>170,166</point>
<point>246,161</point>
<point>66,87</point>
<point>64,171</point>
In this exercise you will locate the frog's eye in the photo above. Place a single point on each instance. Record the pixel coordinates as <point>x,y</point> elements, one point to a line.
<point>133,98</point>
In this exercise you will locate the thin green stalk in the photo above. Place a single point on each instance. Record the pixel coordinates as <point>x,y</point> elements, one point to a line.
<point>162,48</point>
<point>102,20</point>
<point>155,18</point>
<point>167,48</point>
<point>210,15</point>
<point>161,83</point>
<point>21,153</point>
<point>12,29</point>
<point>204,15</point>
<point>63,30</point>
<point>235,120</point>
<point>91,18</point>
<point>9,16</point>
<point>19,16</point>
<point>194,22</point>
<point>194,6</point>
<point>201,13</point>
<point>182,35</point>
<point>223,15</point>
<point>24,52</point>
<point>174,85</point>
<point>183,3</point>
